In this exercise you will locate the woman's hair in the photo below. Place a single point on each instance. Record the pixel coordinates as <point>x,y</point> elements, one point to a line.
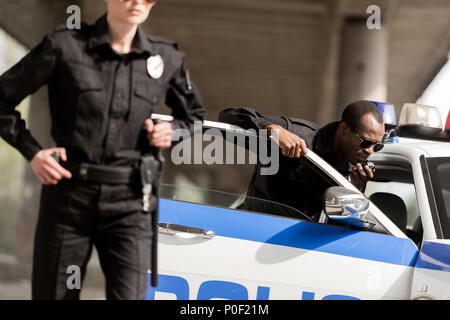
<point>356,110</point>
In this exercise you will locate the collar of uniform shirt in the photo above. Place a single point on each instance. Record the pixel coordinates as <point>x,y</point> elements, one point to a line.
<point>100,37</point>
<point>323,146</point>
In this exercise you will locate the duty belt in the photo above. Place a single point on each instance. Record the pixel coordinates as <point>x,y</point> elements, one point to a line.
<point>102,173</point>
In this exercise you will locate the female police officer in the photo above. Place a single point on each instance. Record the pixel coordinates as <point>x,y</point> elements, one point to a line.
<point>104,81</point>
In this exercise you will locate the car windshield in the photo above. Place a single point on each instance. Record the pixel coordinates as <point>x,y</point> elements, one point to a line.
<point>227,200</point>
<point>440,177</point>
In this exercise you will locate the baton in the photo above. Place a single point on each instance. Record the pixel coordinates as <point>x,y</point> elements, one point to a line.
<point>158,155</point>
<point>154,254</point>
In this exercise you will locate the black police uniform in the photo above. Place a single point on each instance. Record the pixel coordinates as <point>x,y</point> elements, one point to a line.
<point>99,100</point>
<point>294,184</point>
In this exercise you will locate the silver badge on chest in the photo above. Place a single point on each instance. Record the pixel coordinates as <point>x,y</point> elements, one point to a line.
<point>155,66</point>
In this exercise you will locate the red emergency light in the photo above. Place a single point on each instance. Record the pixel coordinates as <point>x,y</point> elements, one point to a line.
<point>447,123</point>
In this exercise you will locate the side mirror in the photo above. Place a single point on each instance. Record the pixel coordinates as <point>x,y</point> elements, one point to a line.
<point>346,207</point>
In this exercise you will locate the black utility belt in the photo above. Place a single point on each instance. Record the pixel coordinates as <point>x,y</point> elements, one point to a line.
<point>103,174</point>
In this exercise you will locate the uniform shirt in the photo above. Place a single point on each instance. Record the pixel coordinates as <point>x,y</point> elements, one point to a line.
<point>295,184</point>
<point>99,99</point>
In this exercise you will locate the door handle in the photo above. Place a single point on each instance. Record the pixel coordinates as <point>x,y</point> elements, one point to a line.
<point>176,229</point>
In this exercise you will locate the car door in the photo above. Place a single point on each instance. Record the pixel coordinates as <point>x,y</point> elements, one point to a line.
<point>234,254</point>
<point>216,251</point>
<point>432,270</point>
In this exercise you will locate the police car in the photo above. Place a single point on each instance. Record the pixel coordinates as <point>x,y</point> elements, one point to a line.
<point>393,242</point>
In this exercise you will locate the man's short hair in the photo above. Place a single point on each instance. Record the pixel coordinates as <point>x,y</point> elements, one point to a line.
<point>356,110</point>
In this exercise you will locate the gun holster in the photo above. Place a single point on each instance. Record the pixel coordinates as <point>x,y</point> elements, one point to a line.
<point>151,169</point>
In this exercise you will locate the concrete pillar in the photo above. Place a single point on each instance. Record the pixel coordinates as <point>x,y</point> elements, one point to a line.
<point>330,50</point>
<point>364,61</point>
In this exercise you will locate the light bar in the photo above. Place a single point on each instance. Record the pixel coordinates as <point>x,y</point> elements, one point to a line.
<point>421,122</point>
<point>388,112</point>
<point>420,115</point>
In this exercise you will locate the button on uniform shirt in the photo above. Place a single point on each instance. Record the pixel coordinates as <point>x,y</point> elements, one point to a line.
<point>99,99</point>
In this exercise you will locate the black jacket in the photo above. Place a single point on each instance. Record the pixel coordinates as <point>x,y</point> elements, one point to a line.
<point>295,184</point>
<point>99,99</point>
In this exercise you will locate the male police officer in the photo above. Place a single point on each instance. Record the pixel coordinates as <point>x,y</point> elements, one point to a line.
<point>344,144</point>
<point>104,81</point>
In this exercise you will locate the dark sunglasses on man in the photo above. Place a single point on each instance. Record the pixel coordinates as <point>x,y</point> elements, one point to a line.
<point>367,143</point>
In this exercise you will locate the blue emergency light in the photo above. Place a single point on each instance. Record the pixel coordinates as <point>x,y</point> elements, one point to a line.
<point>388,112</point>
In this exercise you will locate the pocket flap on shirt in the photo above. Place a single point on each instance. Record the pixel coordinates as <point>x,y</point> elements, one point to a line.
<point>90,80</point>
<point>147,92</point>
<point>142,90</point>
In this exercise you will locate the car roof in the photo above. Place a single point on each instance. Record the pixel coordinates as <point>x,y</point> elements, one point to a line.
<point>429,148</point>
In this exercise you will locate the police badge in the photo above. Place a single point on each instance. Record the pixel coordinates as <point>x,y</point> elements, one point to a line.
<point>155,66</point>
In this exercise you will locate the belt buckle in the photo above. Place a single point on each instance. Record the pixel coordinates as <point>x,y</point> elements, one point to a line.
<point>83,171</point>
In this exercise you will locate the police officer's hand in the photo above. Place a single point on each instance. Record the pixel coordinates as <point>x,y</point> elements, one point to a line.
<point>47,169</point>
<point>359,176</point>
<point>160,134</point>
<point>291,145</point>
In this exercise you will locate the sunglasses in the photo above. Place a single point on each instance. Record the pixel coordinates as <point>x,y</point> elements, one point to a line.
<point>367,143</point>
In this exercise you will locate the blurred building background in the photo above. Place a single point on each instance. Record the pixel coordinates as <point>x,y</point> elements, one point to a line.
<point>297,58</point>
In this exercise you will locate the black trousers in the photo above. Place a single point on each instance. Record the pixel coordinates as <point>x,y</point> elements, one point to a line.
<point>75,216</point>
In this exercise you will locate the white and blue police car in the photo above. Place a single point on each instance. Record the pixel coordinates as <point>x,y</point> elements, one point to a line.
<point>394,242</point>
